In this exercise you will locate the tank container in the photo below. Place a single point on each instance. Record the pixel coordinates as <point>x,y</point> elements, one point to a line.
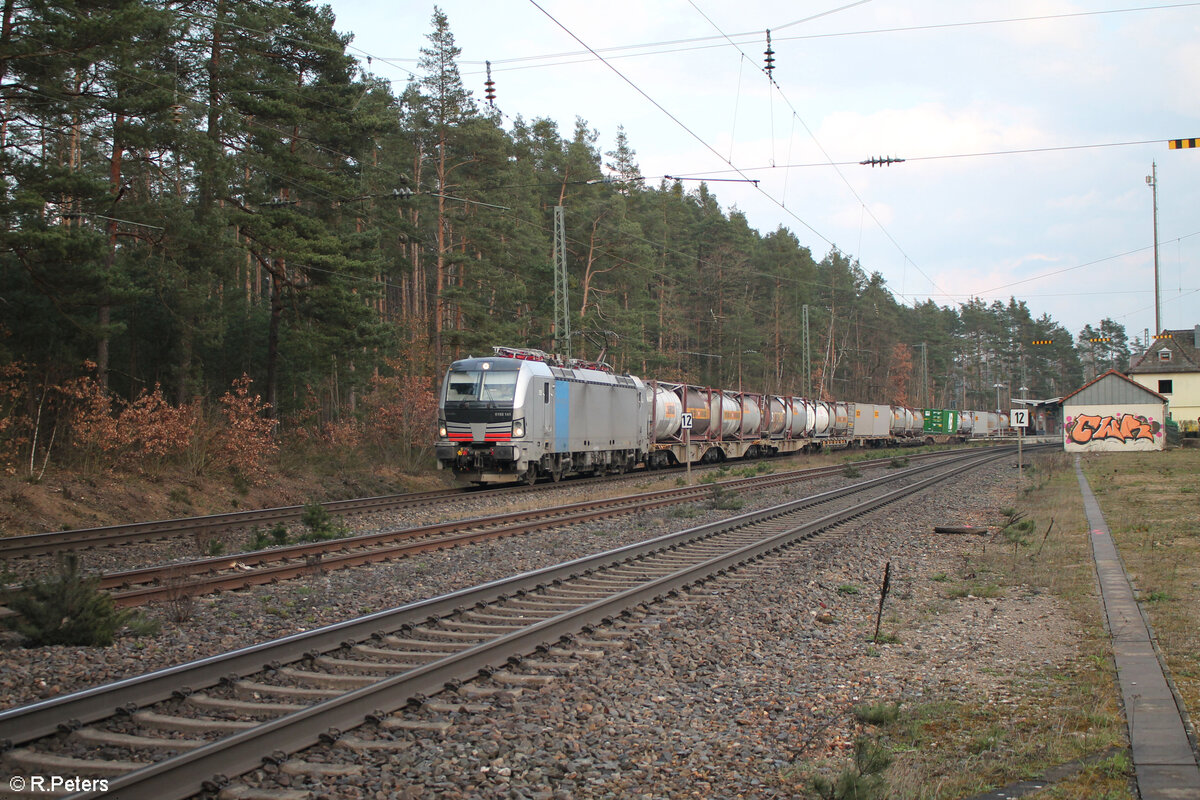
<point>824,419</point>
<point>731,414</point>
<point>668,410</point>
<point>780,416</point>
<point>751,416</point>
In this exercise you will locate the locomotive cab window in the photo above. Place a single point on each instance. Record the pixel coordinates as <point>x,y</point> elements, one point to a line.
<point>479,385</point>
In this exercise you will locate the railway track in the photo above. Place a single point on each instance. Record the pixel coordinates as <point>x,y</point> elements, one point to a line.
<point>53,542</point>
<point>183,730</point>
<point>170,582</point>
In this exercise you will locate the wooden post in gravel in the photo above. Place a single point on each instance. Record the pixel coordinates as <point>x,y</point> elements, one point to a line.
<point>887,580</point>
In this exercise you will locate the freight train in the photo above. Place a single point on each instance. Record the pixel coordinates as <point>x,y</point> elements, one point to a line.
<point>522,414</point>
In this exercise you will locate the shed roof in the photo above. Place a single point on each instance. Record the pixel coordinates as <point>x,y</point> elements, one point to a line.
<point>1111,388</point>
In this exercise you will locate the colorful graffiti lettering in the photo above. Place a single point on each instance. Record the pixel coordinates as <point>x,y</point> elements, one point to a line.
<point>1090,428</point>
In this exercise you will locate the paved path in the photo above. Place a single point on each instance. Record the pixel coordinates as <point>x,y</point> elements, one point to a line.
<point>1163,759</point>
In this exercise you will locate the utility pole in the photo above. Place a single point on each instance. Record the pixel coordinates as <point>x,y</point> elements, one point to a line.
<point>562,308</point>
<point>806,346</point>
<point>1152,181</point>
<point>925,375</point>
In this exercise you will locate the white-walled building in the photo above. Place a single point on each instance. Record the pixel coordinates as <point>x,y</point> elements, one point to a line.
<point>1113,414</point>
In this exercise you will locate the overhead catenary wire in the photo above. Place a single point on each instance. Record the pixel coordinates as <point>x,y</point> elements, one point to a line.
<point>674,118</point>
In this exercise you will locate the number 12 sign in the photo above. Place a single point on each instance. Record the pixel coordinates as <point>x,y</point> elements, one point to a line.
<point>1019,417</point>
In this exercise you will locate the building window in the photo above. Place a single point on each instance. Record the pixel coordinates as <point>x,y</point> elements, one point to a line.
<point>1164,387</point>
<point>1164,355</point>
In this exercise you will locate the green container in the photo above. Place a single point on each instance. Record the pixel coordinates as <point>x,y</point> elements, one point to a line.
<point>940,420</point>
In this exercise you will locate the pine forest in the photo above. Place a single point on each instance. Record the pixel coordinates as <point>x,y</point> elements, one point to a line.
<point>222,234</point>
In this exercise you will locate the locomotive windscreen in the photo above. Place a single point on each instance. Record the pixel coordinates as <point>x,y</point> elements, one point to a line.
<point>478,395</point>
<point>488,386</point>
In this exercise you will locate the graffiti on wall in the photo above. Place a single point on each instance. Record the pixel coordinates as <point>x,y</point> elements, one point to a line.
<point>1095,428</point>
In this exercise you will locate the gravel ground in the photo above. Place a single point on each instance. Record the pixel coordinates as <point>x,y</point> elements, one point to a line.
<point>718,697</point>
<point>724,695</point>
<point>220,623</point>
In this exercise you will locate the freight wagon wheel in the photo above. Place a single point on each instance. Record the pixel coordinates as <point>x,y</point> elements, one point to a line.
<point>531,474</point>
<point>556,474</point>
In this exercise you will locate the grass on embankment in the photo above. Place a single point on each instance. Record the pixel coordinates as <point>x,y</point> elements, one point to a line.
<point>961,743</point>
<point>1151,502</point>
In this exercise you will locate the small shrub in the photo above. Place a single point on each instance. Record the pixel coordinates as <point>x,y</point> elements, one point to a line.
<point>260,540</point>
<point>725,499</point>
<point>279,533</point>
<point>877,713</point>
<point>320,525</point>
<point>851,471</point>
<point>861,781</point>
<point>66,608</point>
<point>898,462</point>
<point>847,588</point>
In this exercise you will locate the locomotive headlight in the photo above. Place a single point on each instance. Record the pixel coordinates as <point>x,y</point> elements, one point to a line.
<point>519,429</point>
<point>441,429</point>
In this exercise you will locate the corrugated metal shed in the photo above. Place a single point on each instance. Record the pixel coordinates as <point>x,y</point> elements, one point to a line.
<point>1112,388</point>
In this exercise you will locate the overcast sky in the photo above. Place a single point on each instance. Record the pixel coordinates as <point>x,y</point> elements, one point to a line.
<point>1028,127</point>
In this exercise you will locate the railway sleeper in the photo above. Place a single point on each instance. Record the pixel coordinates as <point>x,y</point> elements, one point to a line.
<point>360,746</point>
<point>602,644</point>
<point>463,632</point>
<point>591,654</point>
<point>98,736</point>
<point>558,667</point>
<point>481,631</point>
<point>409,656</point>
<point>245,707</point>
<point>519,616</point>
<point>424,644</point>
<point>326,680</point>
<point>385,667</point>
<point>539,604</point>
<point>37,762</point>
<point>439,727</point>
<point>175,724</point>
<point>254,691</point>
<point>506,678</point>
<point>254,793</point>
<point>475,692</point>
<point>317,769</point>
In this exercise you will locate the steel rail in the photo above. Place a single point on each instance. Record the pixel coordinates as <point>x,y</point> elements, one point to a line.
<point>25,723</point>
<point>51,542</point>
<point>209,766</point>
<point>223,573</point>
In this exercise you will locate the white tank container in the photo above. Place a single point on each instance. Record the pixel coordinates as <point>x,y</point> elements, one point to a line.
<point>668,414</point>
<point>824,419</point>
<point>800,417</point>
<point>780,416</point>
<point>841,418</point>
<point>697,403</point>
<point>731,414</point>
<point>751,416</point>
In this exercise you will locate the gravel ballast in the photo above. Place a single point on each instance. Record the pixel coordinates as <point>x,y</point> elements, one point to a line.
<point>717,697</point>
